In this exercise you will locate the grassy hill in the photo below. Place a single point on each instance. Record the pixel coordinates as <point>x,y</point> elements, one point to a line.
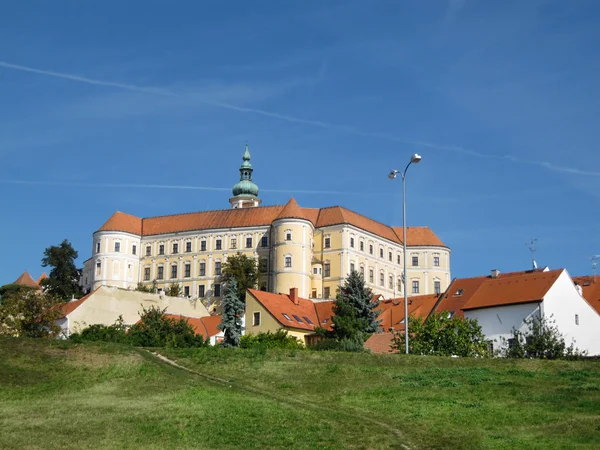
<point>60,395</point>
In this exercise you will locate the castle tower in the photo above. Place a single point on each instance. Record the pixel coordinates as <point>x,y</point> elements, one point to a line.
<point>245,192</point>
<point>291,237</point>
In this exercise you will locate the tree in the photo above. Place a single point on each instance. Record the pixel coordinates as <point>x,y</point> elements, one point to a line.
<point>355,312</point>
<point>29,313</point>
<point>14,288</point>
<point>542,340</point>
<point>443,335</point>
<point>244,270</point>
<point>63,280</point>
<point>141,287</point>
<point>231,318</point>
<point>173,290</point>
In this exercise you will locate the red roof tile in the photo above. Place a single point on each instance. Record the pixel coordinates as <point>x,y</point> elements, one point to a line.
<point>292,211</point>
<point>42,277</point>
<point>263,216</point>
<point>392,311</point>
<point>591,290</point>
<point>381,343</point>
<point>26,280</point>
<point>280,304</point>
<point>123,222</point>
<point>419,236</point>
<point>205,326</point>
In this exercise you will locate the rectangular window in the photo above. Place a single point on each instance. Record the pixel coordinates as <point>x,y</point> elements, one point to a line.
<point>327,242</point>
<point>161,273</point>
<point>148,250</point>
<point>352,242</point>
<point>173,271</point>
<point>97,247</point>
<point>381,280</point>
<point>370,249</point>
<point>218,268</point>
<point>351,267</point>
<point>576,319</point>
<point>217,290</point>
<point>117,247</point>
<point>313,294</point>
<point>264,242</point>
<point>362,271</point>
<point>175,248</point>
<point>98,268</point>
<point>315,271</point>
<point>202,269</point>
<point>188,247</point>
<point>415,260</point>
<point>146,273</point>
<point>201,291</point>
<point>161,249</point>
<point>391,282</point>
<point>134,249</point>
<point>326,292</point>
<point>370,275</point>
<point>233,243</point>
<point>390,257</point>
<point>186,291</point>
<point>398,260</point>
<point>437,288</point>
<point>381,253</point>
<point>202,246</point>
<point>288,236</point>
<point>436,261</point>
<point>362,246</point>
<point>248,242</point>
<point>400,284</point>
<point>326,270</point>
<point>263,265</point>
<point>218,244</point>
<point>288,261</point>
<point>188,270</point>
<point>256,319</point>
<point>415,287</point>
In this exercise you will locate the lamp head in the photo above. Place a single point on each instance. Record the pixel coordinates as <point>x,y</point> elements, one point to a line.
<point>392,174</point>
<point>415,158</point>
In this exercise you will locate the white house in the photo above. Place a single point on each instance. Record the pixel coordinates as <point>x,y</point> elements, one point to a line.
<point>503,302</point>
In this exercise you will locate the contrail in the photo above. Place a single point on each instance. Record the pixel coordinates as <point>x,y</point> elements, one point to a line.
<point>292,119</point>
<point>178,187</point>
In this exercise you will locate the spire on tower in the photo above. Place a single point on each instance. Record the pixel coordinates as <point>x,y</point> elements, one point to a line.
<point>245,192</point>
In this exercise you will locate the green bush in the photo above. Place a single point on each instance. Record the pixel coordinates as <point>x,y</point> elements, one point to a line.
<point>153,330</point>
<point>279,339</point>
<point>355,344</point>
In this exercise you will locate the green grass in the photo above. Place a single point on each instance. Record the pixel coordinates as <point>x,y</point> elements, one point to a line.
<point>59,395</point>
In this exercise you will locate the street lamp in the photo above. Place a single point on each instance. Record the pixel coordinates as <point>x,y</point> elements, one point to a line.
<point>413,159</point>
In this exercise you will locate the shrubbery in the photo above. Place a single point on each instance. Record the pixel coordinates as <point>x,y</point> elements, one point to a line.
<point>153,330</point>
<point>279,339</point>
<point>345,345</point>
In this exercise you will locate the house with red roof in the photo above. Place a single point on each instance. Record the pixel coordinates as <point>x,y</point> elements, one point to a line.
<point>503,302</point>
<point>205,326</point>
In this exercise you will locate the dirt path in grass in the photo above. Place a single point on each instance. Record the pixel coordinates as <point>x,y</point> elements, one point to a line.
<point>290,401</point>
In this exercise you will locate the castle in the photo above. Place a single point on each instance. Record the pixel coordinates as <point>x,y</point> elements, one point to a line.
<point>312,249</point>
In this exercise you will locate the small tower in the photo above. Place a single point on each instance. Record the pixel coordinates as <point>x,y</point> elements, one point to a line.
<point>245,193</point>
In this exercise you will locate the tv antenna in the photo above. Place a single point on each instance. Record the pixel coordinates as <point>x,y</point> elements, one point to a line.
<point>594,259</point>
<point>531,245</point>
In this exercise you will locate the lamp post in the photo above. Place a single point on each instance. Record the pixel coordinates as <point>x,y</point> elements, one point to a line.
<point>413,159</point>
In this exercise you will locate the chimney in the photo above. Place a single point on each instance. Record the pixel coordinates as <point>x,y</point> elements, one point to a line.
<point>294,296</point>
<point>495,273</point>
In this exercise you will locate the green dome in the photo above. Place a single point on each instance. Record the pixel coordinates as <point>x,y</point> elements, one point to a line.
<point>245,187</point>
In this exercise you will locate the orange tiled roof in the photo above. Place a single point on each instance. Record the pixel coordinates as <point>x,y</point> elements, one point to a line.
<point>392,311</point>
<point>280,304</point>
<point>381,343</point>
<point>461,290</point>
<point>26,280</point>
<point>591,290</point>
<point>292,211</point>
<point>263,216</point>
<point>42,277</point>
<point>205,326</point>
<point>123,222</point>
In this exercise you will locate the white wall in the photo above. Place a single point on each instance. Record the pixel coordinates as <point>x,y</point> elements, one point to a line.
<point>498,322</point>
<point>562,303</point>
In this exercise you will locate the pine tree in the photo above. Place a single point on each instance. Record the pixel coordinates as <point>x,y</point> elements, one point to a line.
<point>355,312</point>
<point>231,319</point>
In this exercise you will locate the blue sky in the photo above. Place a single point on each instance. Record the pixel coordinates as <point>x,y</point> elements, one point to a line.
<point>502,100</point>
